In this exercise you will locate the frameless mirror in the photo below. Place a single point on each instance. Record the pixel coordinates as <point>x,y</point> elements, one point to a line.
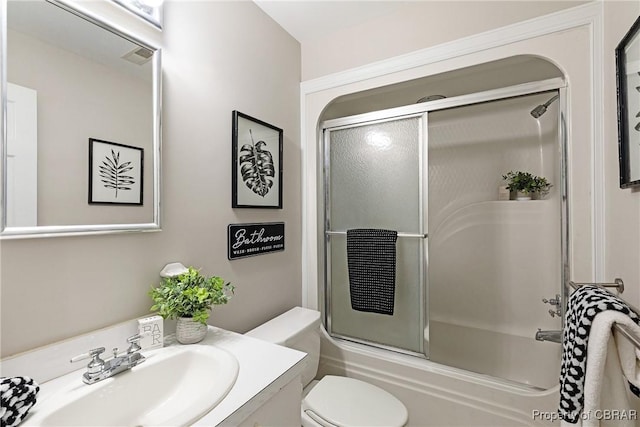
<point>81,107</point>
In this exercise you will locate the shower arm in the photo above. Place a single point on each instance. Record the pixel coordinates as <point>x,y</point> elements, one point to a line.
<point>542,108</point>
<point>546,104</point>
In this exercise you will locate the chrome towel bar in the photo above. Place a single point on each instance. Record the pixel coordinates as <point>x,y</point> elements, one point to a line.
<point>619,285</point>
<point>415,235</point>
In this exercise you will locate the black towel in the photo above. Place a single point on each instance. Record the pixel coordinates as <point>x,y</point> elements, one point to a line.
<point>584,304</point>
<point>17,396</point>
<point>371,258</point>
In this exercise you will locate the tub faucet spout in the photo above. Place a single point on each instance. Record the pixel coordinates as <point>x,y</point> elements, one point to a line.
<point>553,336</point>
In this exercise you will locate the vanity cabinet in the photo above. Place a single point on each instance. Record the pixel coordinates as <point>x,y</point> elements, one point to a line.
<point>283,409</point>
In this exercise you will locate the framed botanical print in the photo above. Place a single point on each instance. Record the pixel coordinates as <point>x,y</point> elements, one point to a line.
<point>115,173</point>
<point>257,163</point>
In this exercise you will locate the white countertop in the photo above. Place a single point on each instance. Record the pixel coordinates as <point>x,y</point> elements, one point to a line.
<point>264,369</point>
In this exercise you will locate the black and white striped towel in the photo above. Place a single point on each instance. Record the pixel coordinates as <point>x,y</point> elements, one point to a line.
<point>584,304</point>
<point>371,259</point>
<point>17,396</point>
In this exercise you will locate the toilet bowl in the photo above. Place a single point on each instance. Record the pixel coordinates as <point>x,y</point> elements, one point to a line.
<point>332,401</point>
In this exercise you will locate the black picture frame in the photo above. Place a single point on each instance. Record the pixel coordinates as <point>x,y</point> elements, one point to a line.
<point>116,173</point>
<point>256,172</point>
<point>628,94</point>
<point>246,240</point>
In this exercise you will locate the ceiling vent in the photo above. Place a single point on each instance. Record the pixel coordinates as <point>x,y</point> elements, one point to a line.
<point>139,55</point>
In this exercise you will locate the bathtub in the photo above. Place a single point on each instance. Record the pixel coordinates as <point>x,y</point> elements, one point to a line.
<point>439,395</point>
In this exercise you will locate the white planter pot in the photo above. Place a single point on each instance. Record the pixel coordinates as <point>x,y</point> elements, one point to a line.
<point>189,331</point>
<point>523,196</point>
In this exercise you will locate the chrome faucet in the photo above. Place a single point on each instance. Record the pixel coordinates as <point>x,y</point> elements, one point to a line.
<point>553,336</point>
<point>99,369</point>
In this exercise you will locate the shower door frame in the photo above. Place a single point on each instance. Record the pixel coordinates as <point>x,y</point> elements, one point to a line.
<point>422,110</point>
<point>421,234</point>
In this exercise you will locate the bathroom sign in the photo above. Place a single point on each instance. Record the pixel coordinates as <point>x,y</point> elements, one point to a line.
<point>245,240</point>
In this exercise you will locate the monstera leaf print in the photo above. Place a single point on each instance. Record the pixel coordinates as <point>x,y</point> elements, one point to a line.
<point>113,173</point>
<point>256,167</point>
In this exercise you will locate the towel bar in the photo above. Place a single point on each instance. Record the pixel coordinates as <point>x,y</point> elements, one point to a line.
<point>619,285</point>
<point>416,235</point>
<point>628,335</point>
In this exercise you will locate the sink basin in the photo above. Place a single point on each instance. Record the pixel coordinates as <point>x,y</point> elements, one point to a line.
<point>175,386</point>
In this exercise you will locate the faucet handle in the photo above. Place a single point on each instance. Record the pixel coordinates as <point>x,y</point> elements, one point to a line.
<point>94,353</point>
<point>96,366</point>
<point>134,342</point>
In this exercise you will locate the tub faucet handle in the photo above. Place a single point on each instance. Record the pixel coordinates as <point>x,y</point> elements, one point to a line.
<point>557,302</point>
<point>552,301</point>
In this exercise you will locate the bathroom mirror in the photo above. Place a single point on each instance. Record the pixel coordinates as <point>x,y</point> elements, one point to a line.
<point>149,10</point>
<point>69,78</point>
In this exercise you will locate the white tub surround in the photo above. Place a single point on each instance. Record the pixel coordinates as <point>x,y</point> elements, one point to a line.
<point>267,390</point>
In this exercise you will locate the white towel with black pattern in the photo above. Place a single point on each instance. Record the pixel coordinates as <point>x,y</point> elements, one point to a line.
<point>371,259</point>
<point>611,367</point>
<point>17,396</point>
<point>584,304</point>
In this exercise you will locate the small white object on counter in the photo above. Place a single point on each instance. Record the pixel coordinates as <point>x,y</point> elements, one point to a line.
<point>173,269</point>
<point>152,331</point>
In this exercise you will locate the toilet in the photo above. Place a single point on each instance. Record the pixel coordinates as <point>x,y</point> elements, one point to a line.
<point>332,401</point>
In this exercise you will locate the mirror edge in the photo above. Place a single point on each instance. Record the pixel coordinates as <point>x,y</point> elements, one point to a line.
<point>7,233</point>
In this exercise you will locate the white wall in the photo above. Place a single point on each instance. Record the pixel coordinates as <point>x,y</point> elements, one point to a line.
<point>416,26</point>
<point>218,56</point>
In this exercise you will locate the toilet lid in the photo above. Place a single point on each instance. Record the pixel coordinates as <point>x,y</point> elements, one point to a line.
<point>347,402</point>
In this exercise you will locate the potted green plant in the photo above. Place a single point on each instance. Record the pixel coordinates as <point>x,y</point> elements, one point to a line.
<point>542,187</point>
<point>188,297</point>
<point>526,185</point>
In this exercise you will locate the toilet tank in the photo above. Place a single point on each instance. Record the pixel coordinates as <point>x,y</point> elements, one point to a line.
<point>298,328</point>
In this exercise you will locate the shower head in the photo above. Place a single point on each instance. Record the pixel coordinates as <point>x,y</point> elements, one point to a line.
<point>542,108</point>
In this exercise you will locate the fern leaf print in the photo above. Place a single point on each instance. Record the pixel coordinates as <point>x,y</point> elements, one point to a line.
<point>113,174</point>
<point>256,167</point>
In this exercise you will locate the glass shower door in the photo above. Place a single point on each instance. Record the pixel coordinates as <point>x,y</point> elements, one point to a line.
<point>491,262</point>
<point>374,179</point>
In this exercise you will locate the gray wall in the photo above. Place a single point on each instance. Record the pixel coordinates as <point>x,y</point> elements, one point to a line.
<point>218,56</point>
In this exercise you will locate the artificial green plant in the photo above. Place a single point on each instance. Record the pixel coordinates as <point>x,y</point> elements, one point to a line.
<point>527,183</point>
<point>190,294</point>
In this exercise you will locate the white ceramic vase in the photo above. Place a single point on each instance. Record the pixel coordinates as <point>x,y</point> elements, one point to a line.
<point>188,331</point>
<point>523,196</point>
